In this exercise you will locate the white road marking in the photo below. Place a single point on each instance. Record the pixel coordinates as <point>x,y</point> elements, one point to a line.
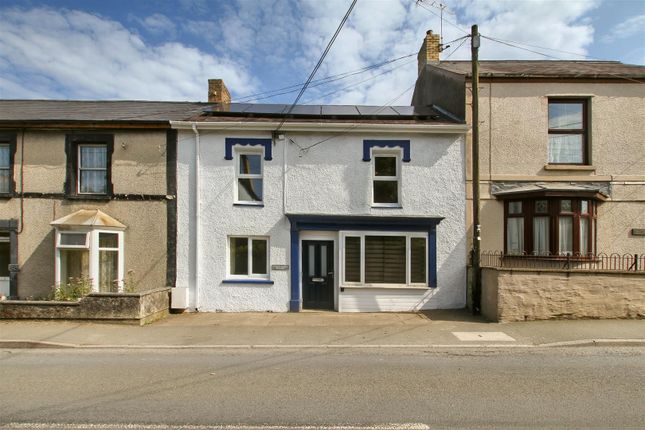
<point>91,426</point>
<point>482,336</point>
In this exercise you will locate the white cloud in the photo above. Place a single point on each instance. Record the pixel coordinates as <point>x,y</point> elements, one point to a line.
<point>50,53</point>
<point>278,41</point>
<point>158,24</point>
<point>628,28</point>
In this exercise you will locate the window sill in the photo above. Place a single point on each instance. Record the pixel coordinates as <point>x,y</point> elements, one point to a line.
<point>257,205</point>
<point>387,206</point>
<point>571,167</point>
<point>386,287</point>
<point>248,281</point>
<point>88,197</point>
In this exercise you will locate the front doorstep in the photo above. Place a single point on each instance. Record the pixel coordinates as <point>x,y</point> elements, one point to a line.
<point>133,308</point>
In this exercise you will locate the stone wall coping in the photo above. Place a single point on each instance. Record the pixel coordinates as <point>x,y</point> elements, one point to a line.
<point>576,271</point>
<point>138,294</point>
<point>39,303</point>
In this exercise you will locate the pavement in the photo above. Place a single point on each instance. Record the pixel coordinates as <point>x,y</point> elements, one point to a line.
<point>432,329</point>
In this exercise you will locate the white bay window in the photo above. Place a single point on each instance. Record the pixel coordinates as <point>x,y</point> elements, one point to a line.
<point>89,244</point>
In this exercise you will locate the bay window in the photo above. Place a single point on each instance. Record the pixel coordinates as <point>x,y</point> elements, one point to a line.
<point>549,226</point>
<point>93,254</point>
<point>382,259</point>
<point>89,244</point>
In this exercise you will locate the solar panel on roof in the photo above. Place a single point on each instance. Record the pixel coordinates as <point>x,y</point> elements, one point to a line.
<point>339,110</point>
<point>270,109</point>
<point>306,110</point>
<point>404,110</point>
<point>377,111</point>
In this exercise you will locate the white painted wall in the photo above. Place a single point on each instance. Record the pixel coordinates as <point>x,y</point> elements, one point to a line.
<point>332,179</point>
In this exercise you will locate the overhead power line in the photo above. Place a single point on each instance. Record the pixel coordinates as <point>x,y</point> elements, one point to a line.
<point>320,61</point>
<point>591,65</point>
<point>318,82</point>
<point>440,16</point>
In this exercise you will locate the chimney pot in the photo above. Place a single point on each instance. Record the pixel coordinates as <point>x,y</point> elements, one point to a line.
<point>217,91</point>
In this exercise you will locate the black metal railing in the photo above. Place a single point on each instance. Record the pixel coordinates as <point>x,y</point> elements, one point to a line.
<point>589,262</point>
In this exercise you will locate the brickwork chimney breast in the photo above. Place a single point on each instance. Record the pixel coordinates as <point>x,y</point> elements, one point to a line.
<point>430,50</point>
<point>217,92</point>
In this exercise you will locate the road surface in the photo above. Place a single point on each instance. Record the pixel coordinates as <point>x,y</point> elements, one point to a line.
<point>586,387</point>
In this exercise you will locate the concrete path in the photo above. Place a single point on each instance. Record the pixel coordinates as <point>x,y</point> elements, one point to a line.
<point>321,329</point>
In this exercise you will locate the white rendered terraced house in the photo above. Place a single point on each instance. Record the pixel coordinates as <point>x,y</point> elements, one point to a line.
<point>346,208</point>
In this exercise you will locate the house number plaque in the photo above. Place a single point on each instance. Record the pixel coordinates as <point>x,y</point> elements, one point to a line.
<point>279,267</point>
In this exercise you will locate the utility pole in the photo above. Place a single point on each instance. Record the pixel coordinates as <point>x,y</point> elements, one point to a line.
<point>476,250</point>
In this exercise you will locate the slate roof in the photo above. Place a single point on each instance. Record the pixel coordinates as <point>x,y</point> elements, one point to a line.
<point>161,112</point>
<point>104,110</point>
<point>547,69</point>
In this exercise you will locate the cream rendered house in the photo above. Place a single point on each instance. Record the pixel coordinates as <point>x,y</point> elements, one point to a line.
<point>562,165</point>
<point>87,188</point>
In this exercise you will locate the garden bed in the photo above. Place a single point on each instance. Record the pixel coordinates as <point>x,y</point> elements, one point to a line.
<point>136,308</point>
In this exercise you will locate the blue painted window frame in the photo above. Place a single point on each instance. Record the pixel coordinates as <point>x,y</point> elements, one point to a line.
<point>230,142</point>
<point>403,144</point>
<point>366,223</point>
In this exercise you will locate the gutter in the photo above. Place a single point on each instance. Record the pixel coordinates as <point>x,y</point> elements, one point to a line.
<point>344,127</point>
<point>197,213</point>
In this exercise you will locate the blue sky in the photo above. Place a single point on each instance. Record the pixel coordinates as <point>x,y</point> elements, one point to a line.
<point>166,50</point>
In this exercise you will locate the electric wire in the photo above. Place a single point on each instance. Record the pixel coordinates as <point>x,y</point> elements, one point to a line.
<point>318,82</point>
<point>591,65</point>
<point>320,61</point>
<point>347,130</point>
<point>420,3</point>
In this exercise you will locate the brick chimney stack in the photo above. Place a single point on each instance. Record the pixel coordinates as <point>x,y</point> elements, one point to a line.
<point>217,92</point>
<point>430,50</point>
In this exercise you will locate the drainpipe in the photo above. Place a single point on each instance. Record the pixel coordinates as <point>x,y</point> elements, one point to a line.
<point>197,213</point>
<point>284,174</point>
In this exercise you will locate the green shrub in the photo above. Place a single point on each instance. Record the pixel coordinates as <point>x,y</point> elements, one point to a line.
<point>73,290</point>
<point>130,283</point>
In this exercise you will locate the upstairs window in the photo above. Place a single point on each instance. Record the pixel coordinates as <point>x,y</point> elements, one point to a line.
<point>92,169</point>
<point>89,165</point>
<point>6,169</point>
<point>568,131</point>
<point>249,178</point>
<point>7,151</point>
<point>386,179</point>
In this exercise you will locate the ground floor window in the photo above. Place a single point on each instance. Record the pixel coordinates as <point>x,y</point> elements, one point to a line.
<point>93,254</point>
<point>549,226</point>
<point>248,257</point>
<point>384,258</point>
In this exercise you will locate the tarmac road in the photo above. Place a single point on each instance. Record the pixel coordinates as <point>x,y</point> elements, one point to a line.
<point>584,387</point>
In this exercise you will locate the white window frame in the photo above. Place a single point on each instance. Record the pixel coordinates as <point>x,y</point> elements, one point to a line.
<point>91,244</point>
<point>396,153</point>
<point>408,250</point>
<point>80,168</point>
<point>249,258</point>
<point>238,175</point>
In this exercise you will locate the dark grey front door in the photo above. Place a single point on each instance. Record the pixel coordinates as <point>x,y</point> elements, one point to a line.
<point>317,274</point>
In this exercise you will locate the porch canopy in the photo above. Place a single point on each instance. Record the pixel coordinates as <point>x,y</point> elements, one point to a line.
<point>311,222</point>
<point>88,218</point>
<point>536,190</point>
